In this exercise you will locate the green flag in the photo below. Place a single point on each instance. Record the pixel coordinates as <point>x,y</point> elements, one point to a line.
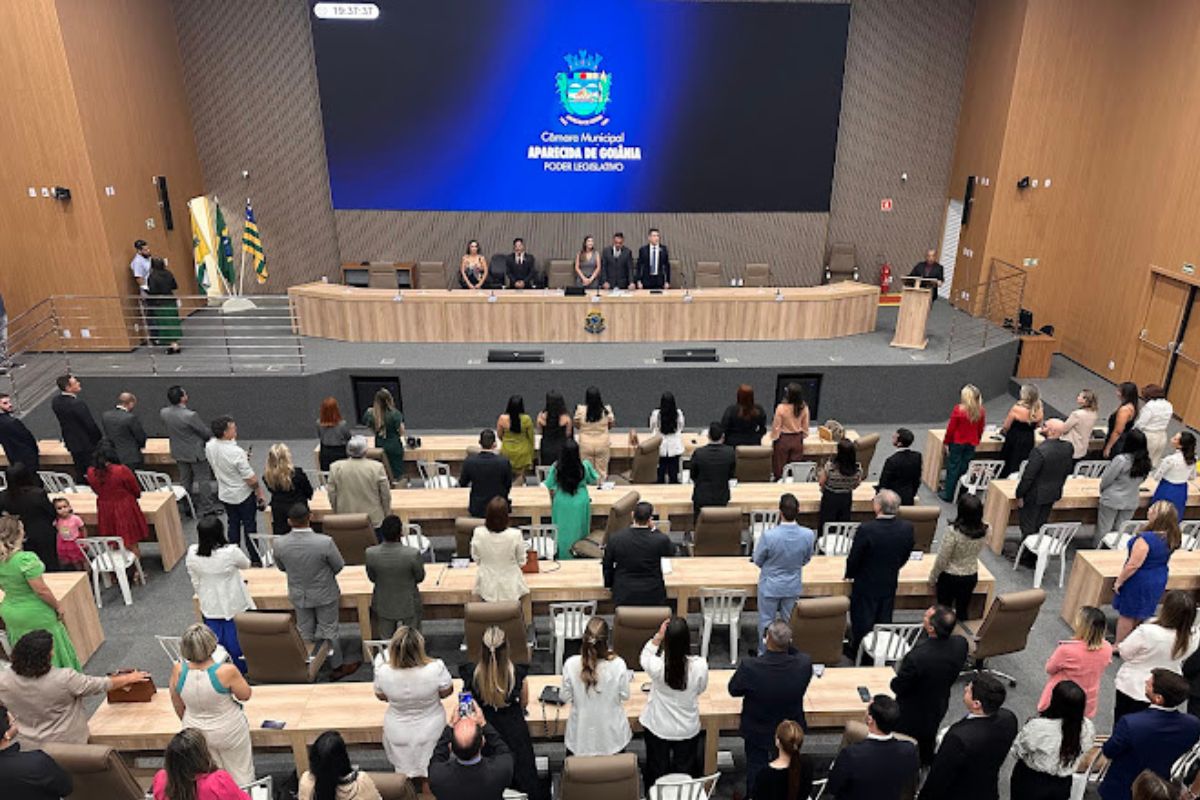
<point>225,249</point>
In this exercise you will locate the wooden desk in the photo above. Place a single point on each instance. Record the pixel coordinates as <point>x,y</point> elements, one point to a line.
<point>1093,573</point>
<point>1081,496</point>
<point>1037,350</point>
<point>445,591</point>
<point>53,453</point>
<point>74,594</point>
<point>932,457</point>
<point>352,708</point>
<point>544,315</point>
<point>162,512</point>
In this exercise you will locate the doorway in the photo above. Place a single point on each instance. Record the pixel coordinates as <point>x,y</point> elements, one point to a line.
<point>1168,345</point>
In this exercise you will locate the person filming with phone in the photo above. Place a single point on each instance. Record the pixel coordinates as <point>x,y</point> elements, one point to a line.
<point>471,760</point>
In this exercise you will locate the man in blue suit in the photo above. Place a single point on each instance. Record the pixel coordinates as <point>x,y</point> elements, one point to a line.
<point>1152,739</point>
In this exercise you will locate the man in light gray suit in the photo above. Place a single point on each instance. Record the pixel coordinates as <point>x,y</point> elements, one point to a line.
<point>124,431</point>
<point>312,562</point>
<point>188,433</point>
<point>396,571</point>
<point>359,485</point>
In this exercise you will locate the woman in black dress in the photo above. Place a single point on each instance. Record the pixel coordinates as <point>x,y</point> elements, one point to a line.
<point>288,484</point>
<point>790,775</point>
<point>162,309</point>
<point>1121,420</point>
<point>498,686</point>
<point>744,422</point>
<point>1019,426</point>
<point>26,498</point>
<point>555,424</point>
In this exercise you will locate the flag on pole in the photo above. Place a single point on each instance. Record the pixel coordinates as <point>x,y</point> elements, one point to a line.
<point>208,281</point>
<point>224,248</point>
<point>252,245</point>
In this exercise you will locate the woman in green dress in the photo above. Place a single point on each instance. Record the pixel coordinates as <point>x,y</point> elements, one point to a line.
<point>515,429</point>
<point>28,604</point>
<point>161,306</point>
<point>570,503</point>
<point>388,424</point>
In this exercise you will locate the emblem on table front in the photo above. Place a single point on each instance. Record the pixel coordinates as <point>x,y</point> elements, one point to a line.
<point>594,322</point>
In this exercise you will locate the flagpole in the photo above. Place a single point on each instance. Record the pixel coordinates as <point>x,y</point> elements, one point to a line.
<point>239,302</point>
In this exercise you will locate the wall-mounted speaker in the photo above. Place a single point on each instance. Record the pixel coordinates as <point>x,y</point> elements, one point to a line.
<point>968,200</point>
<point>164,202</point>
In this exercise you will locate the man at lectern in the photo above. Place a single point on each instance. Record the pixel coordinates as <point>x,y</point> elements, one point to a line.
<point>520,268</point>
<point>653,264</point>
<point>932,270</point>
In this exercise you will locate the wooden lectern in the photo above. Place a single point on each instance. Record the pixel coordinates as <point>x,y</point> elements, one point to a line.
<point>914,312</point>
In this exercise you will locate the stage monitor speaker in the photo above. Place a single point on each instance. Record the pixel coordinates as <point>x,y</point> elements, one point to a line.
<point>810,382</point>
<point>516,356</point>
<point>164,202</point>
<point>364,388</point>
<point>968,200</point>
<point>689,354</point>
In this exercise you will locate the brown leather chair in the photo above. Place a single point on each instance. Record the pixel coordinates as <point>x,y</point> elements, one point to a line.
<point>925,522</point>
<point>645,462</point>
<point>819,627</point>
<point>274,651</point>
<point>865,445</point>
<point>718,532</point>
<point>464,529</point>
<point>756,275</point>
<point>508,616</point>
<point>560,274</point>
<point>856,731</point>
<point>392,785</point>
<point>376,453</point>
<point>707,274</point>
<point>619,516</point>
<point>382,276</point>
<point>841,263</point>
<point>352,534</point>
<point>753,463</point>
<point>633,626</point>
<point>432,275</point>
<point>1004,628</point>
<point>600,778</point>
<point>97,771</point>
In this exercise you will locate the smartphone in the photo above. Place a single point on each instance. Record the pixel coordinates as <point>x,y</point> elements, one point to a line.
<point>818,670</point>
<point>273,724</point>
<point>863,694</point>
<point>466,704</point>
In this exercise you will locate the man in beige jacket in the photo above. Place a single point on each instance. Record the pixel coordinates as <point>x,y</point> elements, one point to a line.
<point>359,485</point>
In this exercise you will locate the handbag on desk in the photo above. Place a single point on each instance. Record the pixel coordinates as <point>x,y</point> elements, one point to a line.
<point>140,692</point>
<point>531,562</point>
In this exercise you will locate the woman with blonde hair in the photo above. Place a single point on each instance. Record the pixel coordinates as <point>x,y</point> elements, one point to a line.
<point>1163,642</point>
<point>333,432</point>
<point>413,685</point>
<point>288,483</point>
<point>499,688</point>
<point>208,696</point>
<point>1077,428</point>
<point>790,775</point>
<point>1019,426</point>
<point>596,684</point>
<point>1143,578</point>
<point>1082,659</point>
<point>963,433</point>
<point>388,423</point>
<point>28,603</point>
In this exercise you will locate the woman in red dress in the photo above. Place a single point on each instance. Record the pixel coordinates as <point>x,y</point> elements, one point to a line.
<point>117,492</point>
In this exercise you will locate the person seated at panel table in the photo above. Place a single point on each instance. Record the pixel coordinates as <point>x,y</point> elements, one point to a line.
<point>587,264</point>
<point>473,271</point>
<point>616,264</point>
<point>520,268</point>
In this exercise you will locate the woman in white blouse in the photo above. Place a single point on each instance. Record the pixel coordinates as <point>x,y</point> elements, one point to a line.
<point>1153,419</point>
<point>671,718</point>
<point>1164,641</point>
<point>215,565</point>
<point>1175,471</point>
<point>667,420</point>
<point>596,684</point>
<point>499,550</point>
<point>413,685</point>
<point>1050,746</point>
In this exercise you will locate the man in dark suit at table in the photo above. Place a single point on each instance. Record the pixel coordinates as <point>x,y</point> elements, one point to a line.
<point>925,677</point>
<point>713,466</point>
<point>1152,739</point>
<point>902,470</point>
<point>932,271</point>
<point>19,445</point>
<point>487,474</point>
<point>972,751</point>
<point>653,264</point>
<point>124,430</point>
<point>616,264</point>
<point>633,561</point>
<point>520,268</point>
<point>881,548</point>
<point>1041,485</point>
<point>881,767</point>
<point>80,432</point>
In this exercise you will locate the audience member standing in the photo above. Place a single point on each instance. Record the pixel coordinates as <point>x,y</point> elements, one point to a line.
<point>838,479</point>
<point>471,760</point>
<point>744,422</point>
<point>1081,659</point>
<point>395,571</point>
<point>1153,420</point>
<point>124,431</point>
<point>215,566</point>
<point>632,562</point>
<point>359,485</point>
<point>1175,472</point>
<point>556,426</point>
<point>70,530</point>
<point>1143,578</point>
<point>881,548</point>
<point>487,474</point>
<point>333,434</point>
<point>1152,739</point>
<point>515,429</point>
<point>1049,747</point>
<point>956,569</point>
<point>1041,484</point>
<point>312,563</point>
<point>288,485</point>
<point>594,419</point>
<point>28,776</point>
<point>596,684</point>
<point>925,677</point>
<point>1077,429</point>
<point>781,554</point>
<point>208,696</point>
<point>1162,642</point>
<point>1019,426</point>
<point>499,551</point>
<point>190,773</point>
<point>902,471</point>
<point>789,427</point>
<point>26,499</point>
<point>27,603</point>
<point>667,420</point>
<point>772,687</point>
<point>388,424</point>
<point>671,718</point>
<point>1121,421</point>
<point>19,445</point>
<point>570,504</point>
<point>713,467</point>
<point>187,435</point>
<point>238,488</point>
<point>331,776</point>
<point>80,432</point>
<point>963,433</point>
<point>117,492</point>
<point>973,750</point>
<point>1120,486</point>
<point>413,685</point>
<point>163,310</point>
<point>790,775</point>
<point>881,767</point>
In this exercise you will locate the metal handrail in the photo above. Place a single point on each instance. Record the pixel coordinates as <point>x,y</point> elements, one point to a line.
<point>1002,295</point>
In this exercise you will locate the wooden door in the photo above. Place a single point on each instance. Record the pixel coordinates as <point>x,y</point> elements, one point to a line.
<point>1160,331</point>
<point>1184,390</point>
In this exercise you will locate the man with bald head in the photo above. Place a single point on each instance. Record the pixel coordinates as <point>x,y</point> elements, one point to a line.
<point>1041,483</point>
<point>881,547</point>
<point>123,429</point>
<point>932,271</point>
<point>470,760</point>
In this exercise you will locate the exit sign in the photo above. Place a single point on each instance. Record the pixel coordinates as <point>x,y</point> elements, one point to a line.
<point>885,204</point>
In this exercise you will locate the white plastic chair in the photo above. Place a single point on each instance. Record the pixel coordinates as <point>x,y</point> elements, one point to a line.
<point>5,646</point>
<point>1093,775</point>
<point>1089,469</point>
<point>761,521</point>
<point>376,650</point>
<point>721,607</point>
<point>436,475</point>
<point>61,483</point>
<point>677,786</point>
<point>541,472</point>
<point>978,475</point>
<point>170,646</point>
<point>888,643</point>
<point>799,472</point>
<point>412,537</point>
<point>161,482</point>
<point>1191,534</point>
<point>3,481</point>
<point>261,789</point>
<point>837,538</point>
<point>106,555</point>
<point>1050,541</point>
<point>542,538</point>
<point>1116,540</point>
<point>265,544</point>
<point>319,478</point>
<point>567,621</point>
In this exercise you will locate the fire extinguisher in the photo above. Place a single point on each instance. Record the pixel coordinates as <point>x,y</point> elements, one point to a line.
<point>885,277</point>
